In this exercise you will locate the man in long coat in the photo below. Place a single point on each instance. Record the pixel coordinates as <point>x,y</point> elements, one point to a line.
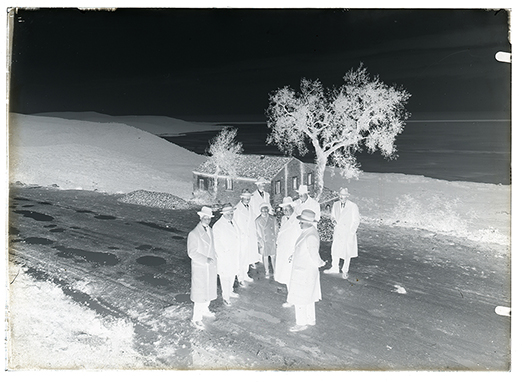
<point>227,244</point>
<point>244,220</point>
<point>266,231</point>
<point>261,196</point>
<point>285,243</point>
<point>304,286</point>
<point>305,202</point>
<point>346,219</point>
<point>200,248</point>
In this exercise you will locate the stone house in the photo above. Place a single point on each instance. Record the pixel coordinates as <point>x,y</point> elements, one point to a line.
<point>285,175</point>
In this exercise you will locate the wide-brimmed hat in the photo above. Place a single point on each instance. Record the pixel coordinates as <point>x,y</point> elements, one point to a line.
<point>205,211</point>
<point>261,180</point>
<point>245,194</point>
<point>265,205</point>
<point>344,191</point>
<point>303,189</point>
<point>307,216</point>
<point>227,208</point>
<point>287,201</point>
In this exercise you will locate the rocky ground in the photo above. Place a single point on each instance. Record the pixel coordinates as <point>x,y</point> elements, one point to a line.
<point>414,300</point>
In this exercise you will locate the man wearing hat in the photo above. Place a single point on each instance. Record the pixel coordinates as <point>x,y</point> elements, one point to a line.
<point>304,286</point>
<point>305,202</point>
<point>287,235</point>
<point>227,244</point>
<point>346,219</point>
<point>244,220</point>
<point>266,232</point>
<point>200,248</point>
<point>261,196</point>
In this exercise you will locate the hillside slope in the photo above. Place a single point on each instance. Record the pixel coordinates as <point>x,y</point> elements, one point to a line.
<point>104,157</point>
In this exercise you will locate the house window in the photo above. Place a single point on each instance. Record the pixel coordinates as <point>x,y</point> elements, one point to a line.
<point>201,184</point>
<point>277,187</point>
<point>294,182</point>
<point>228,184</point>
<point>309,178</point>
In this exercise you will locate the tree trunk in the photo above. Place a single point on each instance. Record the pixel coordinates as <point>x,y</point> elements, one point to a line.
<point>321,164</point>
<point>215,186</point>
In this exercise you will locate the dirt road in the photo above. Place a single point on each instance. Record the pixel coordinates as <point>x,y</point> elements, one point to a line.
<point>413,301</point>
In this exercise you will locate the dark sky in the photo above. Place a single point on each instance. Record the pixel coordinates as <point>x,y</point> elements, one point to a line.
<point>217,62</point>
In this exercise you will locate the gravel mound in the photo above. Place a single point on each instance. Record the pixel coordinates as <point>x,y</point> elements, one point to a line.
<point>156,199</point>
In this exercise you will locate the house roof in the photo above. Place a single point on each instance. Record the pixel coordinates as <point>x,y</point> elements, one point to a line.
<point>252,166</point>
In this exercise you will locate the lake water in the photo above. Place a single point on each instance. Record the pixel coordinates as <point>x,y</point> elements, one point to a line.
<point>475,151</point>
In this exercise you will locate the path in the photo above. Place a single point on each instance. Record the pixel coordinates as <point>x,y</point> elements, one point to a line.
<point>413,300</point>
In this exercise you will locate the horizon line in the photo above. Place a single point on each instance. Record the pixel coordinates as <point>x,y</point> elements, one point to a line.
<point>415,120</point>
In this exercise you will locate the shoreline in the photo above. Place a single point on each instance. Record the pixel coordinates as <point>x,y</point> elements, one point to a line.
<point>444,152</point>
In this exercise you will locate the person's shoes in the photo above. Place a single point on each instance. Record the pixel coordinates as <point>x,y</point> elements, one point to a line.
<point>242,284</point>
<point>267,276</point>
<point>248,279</point>
<point>227,303</point>
<point>312,323</point>
<point>209,314</point>
<point>198,325</point>
<point>234,295</point>
<point>345,275</point>
<point>286,305</point>
<point>331,270</point>
<point>298,328</point>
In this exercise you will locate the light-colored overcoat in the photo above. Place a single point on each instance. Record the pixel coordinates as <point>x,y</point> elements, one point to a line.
<point>286,242</point>
<point>257,201</point>
<point>304,286</point>
<point>310,204</point>
<point>227,244</point>
<point>344,239</point>
<point>244,220</point>
<point>266,231</point>
<point>200,247</point>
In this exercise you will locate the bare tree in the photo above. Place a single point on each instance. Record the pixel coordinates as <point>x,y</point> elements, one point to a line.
<point>224,153</point>
<point>362,113</point>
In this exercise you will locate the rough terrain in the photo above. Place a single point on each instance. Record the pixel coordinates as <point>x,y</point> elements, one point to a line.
<point>414,300</point>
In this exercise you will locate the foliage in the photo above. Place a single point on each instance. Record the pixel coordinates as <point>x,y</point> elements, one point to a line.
<point>438,214</point>
<point>325,228</point>
<point>363,113</point>
<point>224,153</point>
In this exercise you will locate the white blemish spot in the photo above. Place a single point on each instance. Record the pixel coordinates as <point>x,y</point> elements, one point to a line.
<point>399,289</point>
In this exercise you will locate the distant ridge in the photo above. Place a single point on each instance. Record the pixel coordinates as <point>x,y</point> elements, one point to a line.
<point>408,121</point>
<point>456,120</point>
<point>157,125</point>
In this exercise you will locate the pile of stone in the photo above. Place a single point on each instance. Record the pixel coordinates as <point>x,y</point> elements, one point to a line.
<point>156,199</point>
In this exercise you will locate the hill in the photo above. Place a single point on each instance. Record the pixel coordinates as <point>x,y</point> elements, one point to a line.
<point>104,157</point>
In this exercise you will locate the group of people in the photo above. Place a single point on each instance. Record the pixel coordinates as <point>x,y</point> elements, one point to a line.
<point>249,233</point>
